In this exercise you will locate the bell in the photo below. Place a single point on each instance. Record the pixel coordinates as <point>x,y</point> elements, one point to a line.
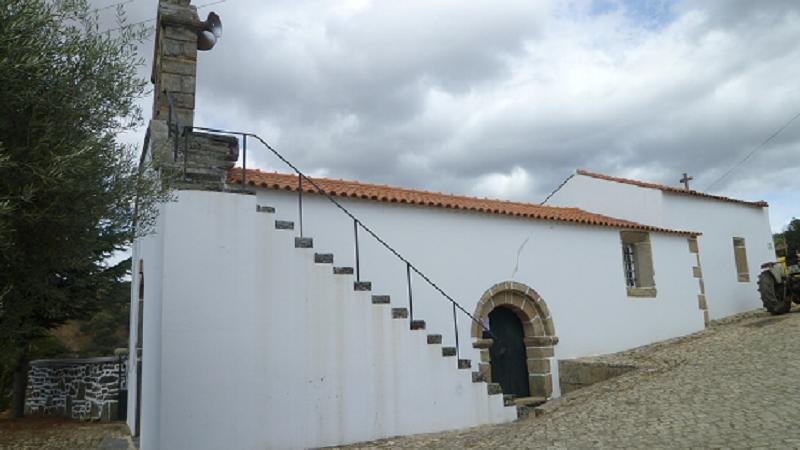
<point>210,30</point>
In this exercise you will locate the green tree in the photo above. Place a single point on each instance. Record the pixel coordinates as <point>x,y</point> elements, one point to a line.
<point>68,189</point>
<point>791,236</point>
<point>107,329</point>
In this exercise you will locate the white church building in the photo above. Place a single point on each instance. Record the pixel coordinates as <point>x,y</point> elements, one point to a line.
<point>271,310</point>
<point>736,236</point>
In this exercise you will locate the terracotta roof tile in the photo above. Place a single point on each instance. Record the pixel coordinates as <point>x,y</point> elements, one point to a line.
<point>670,189</point>
<point>388,194</point>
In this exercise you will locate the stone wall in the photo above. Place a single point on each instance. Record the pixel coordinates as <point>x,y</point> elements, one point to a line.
<point>84,389</point>
<point>575,374</point>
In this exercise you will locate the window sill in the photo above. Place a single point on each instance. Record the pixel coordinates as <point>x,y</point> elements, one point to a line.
<point>639,292</point>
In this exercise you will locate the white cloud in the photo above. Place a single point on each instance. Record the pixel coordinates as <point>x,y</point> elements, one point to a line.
<point>513,185</point>
<point>478,98</point>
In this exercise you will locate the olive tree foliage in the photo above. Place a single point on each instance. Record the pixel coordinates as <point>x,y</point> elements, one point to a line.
<point>70,194</point>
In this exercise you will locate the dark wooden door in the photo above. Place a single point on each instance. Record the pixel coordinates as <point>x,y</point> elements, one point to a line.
<point>508,357</point>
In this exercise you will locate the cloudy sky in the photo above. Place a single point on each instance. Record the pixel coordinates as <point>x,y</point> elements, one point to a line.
<point>506,99</point>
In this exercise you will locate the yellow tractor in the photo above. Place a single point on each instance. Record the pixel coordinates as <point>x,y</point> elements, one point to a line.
<point>779,285</point>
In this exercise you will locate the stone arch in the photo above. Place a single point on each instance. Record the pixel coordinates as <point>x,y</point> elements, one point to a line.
<point>538,329</point>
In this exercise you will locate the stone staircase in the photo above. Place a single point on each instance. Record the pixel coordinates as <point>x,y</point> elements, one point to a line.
<point>400,314</point>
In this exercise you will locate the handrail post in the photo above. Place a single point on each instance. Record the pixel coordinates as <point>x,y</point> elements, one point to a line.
<point>300,201</point>
<point>174,126</point>
<point>175,147</point>
<point>185,149</point>
<point>355,234</point>
<point>455,327</point>
<point>410,297</point>
<point>244,161</point>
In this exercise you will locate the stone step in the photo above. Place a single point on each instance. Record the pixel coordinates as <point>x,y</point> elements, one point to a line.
<point>493,388</point>
<point>417,324</point>
<point>265,209</point>
<point>303,242</point>
<point>284,225</point>
<point>362,285</point>
<point>342,270</point>
<point>195,185</point>
<point>202,173</point>
<point>200,176</point>
<point>529,401</point>
<point>236,190</point>
<point>448,351</point>
<point>380,299</point>
<point>434,339</point>
<point>399,313</point>
<point>478,377</point>
<point>323,258</point>
<point>201,180</point>
<point>464,364</point>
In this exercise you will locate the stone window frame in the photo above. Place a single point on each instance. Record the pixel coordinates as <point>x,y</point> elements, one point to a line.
<point>740,260</point>
<point>538,332</point>
<point>640,256</point>
<point>697,273</point>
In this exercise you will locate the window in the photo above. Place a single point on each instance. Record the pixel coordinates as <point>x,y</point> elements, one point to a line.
<point>637,264</point>
<point>630,266</point>
<point>740,257</point>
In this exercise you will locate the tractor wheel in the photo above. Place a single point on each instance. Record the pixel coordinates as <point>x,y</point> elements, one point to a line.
<point>794,289</point>
<point>772,296</point>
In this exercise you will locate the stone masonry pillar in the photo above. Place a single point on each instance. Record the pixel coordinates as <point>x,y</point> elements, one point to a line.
<point>175,60</point>
<point>193,160</point>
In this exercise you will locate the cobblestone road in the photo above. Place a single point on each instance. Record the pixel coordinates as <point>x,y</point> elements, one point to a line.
<point>736,385</point>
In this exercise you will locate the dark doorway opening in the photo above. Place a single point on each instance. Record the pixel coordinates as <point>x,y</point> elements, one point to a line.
<point>139,344</point>
<point>508,356</point>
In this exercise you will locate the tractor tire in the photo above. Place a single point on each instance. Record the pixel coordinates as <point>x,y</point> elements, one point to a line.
<point>772,296</point>
<point>793,289</point>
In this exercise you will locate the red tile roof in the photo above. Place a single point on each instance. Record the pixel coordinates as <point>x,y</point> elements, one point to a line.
<point>670,189</point>
<point>388,194</point>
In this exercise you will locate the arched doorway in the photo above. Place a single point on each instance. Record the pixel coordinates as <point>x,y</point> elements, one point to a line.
<point>505,308</point>
<point>507,353</point>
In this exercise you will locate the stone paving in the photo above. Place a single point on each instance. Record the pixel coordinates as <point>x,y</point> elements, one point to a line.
<point>53,433</point>
<point>734,385</point>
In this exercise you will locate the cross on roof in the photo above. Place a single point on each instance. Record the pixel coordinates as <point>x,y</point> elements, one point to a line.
<point>685,180</point>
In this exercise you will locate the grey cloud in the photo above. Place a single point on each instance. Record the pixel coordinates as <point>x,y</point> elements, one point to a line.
<point>456,96</point>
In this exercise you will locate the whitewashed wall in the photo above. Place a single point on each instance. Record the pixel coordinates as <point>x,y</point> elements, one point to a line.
<point>151,251</point>
<point>250,345</point>
<point>719,222</point>
<point>576,269</point>
<point>619,200</point>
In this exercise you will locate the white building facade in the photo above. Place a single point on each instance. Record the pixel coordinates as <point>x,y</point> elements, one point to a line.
<point>254,337</point>
<point>736,235</point>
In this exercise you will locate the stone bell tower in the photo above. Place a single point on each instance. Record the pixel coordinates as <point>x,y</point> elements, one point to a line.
<point>197,160</point>
<point>175,60</point>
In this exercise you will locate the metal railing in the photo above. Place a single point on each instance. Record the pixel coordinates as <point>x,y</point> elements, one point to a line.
<point>357,223</point>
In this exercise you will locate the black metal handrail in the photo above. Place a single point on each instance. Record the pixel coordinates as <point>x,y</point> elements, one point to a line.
<point>357,223</point>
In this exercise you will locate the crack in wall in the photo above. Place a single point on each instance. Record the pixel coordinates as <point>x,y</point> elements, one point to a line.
<point>519,252</point>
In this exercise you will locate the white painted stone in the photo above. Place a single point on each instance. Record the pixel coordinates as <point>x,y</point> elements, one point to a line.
<point>719,222</point>
<point>576,269</point>
<point>250,344</point>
